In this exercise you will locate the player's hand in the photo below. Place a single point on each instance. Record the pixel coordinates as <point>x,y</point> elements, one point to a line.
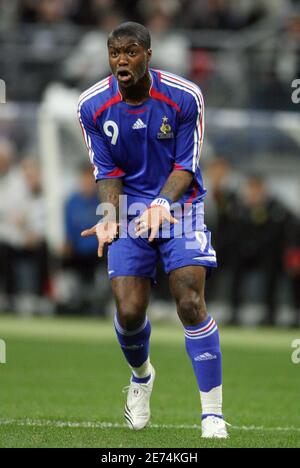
<point>152,219</point>
<point>106,233</point>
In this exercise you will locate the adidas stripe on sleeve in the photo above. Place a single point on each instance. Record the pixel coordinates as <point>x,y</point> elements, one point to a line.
<point>191,128</point>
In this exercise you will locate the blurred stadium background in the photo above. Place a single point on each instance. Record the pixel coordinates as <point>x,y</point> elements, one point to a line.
<point>244,54</point>
<point>61,385</point>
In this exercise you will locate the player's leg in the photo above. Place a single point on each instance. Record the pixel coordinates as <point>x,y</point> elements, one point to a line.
<point>187,259</point>
<point>133,330</point>
<point>132,326</point>
<point>201,334</point>
<point>202,344</point>
<point>131,266</point>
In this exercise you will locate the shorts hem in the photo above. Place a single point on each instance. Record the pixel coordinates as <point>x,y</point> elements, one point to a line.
<point>137,275</point>
<point>191,263</point>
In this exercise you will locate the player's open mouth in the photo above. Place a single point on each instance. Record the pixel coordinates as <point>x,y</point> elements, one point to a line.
<point>124,76</point>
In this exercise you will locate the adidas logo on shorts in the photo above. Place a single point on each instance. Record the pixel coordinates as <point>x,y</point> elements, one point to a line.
<point>139,124</point>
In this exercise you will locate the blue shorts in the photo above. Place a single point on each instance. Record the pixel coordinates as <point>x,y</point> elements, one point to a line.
<point>138,257</point>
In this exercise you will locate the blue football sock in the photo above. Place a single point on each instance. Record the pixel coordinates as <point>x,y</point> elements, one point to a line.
<point>135,347</point>
<point>203,347</point>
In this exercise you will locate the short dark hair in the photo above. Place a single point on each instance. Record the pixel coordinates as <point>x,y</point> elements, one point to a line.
<point>131,29</point>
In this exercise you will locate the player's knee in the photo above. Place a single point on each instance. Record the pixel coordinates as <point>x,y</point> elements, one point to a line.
<point>192,309</point>
<point>131,316</point>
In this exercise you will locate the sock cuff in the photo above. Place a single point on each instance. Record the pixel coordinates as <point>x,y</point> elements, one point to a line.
<point>203,330</point>
<point>124,332</point>
<point>204,416</point>
<point>140,380</point>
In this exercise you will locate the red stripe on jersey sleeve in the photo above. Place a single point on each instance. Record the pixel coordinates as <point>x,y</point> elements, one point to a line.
<point>178,167</point>
<point>161,97</point>
<point>109,103</point>
<point>116,173</point>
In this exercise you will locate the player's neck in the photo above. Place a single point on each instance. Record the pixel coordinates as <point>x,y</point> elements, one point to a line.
<point>138,93</point>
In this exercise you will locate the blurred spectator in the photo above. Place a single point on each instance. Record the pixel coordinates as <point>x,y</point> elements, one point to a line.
<point>207,14</point>
<point>222,206</point>
<point>261,226</point>
<point>28,11</point>
<point>288,53</point>
<point>8,13</point>
<point>226,14</point>
<point>45,11</point>
<point>88,63</point>
<point>81,212</point>
<point>131,10</point>
<point>33,225</point>
<point>52,11</point>
<point>222,209</point>
<point>22,232</point>
<point>12,195</point>
<point>89,12</point>
<point>277,67</point>
<point>81,253</point>
<point>168,7</point>
<point>171,50</point>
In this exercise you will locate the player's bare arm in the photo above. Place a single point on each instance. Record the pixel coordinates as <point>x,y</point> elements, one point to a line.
<point>176,185</point>
<point>109,192</point>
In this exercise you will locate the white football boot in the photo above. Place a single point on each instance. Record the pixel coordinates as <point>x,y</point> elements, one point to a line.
<point>214,428</point>
<point>137,408</point>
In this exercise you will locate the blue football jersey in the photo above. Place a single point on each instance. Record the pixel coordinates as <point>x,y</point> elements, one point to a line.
<point>144,143</point>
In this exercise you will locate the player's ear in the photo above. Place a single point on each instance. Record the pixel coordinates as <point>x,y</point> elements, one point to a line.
<point>149,54</point>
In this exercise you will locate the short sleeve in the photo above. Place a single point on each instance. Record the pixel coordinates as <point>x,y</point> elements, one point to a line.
<point>99,152</point>
<point>190,133</point>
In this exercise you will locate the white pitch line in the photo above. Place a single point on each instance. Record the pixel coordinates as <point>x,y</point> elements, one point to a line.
<point>109,425</point>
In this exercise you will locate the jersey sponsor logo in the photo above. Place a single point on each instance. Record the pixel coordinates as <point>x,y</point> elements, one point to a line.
<point>139,124</point>
<point>205,357</point>
<point>165,130</point>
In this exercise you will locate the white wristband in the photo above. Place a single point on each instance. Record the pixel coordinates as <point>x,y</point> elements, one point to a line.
<point>161,202</point>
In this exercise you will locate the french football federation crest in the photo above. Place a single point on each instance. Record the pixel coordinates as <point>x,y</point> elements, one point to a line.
<point>165,130</point>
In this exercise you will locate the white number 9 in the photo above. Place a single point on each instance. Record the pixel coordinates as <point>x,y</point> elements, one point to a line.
<point>110,124</point>
<point>202,239</point>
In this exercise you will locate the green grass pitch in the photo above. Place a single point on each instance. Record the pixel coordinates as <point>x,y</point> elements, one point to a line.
<point>62,387</point>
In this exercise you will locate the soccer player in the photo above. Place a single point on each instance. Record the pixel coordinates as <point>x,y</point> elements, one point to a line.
<point>144,130</point>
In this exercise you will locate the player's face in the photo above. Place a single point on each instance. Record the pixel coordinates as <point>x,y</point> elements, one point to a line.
<point>128,60</point>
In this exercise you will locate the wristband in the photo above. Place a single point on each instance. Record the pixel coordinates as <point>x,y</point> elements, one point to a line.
<point>162,201</point>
